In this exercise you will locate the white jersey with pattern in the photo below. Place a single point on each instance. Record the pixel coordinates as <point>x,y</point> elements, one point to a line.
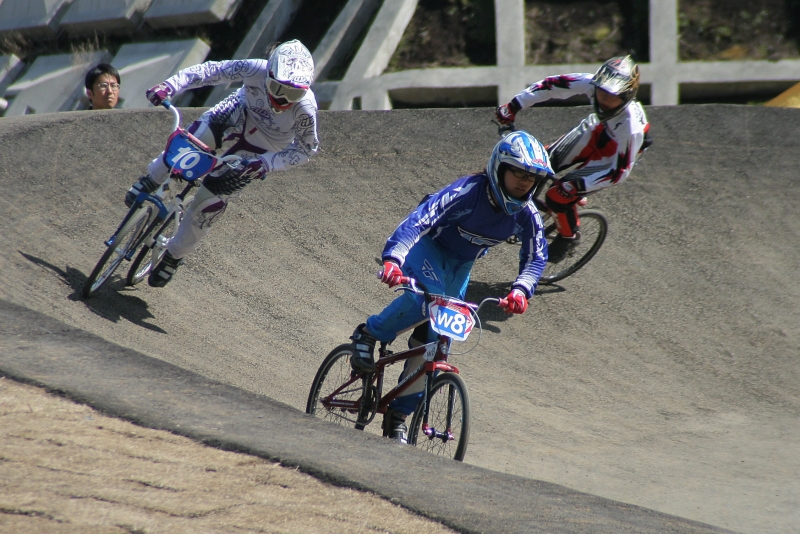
<point>245,120</point>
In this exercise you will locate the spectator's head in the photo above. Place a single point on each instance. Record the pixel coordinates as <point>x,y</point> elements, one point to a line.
<point>102,86</point>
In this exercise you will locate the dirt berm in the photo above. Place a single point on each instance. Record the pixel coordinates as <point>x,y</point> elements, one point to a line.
<point>657,390</point>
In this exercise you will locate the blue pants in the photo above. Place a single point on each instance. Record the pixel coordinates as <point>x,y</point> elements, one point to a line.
<point>441,274</point>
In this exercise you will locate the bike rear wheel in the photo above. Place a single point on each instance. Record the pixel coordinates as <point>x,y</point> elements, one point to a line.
<point>448,419</point>
<point>594,228</point>
<point>127,238</point>
<point>148,257</point>
<point>334,372</point>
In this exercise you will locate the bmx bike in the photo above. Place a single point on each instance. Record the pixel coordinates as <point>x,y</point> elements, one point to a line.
<point>441,422</point>
<point>153,218</point>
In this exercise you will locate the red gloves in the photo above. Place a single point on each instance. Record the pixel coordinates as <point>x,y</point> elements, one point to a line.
<point>504,114</point>
<point>255,169</point>
<point>517,302</point>
<point>159,93</point>
<point>391,274</point>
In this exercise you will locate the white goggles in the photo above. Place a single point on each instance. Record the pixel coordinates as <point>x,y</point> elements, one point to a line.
<point>280,91</point>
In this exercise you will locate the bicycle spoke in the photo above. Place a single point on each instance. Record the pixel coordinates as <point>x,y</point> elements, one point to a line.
<point>335,386</point>
<point>593,232</point>
<point>447,431</point>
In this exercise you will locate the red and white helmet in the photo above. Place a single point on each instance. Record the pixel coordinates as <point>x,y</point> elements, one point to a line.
<point>291,71</point>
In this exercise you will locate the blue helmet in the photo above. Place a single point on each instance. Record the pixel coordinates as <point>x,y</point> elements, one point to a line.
<point>521,150</point>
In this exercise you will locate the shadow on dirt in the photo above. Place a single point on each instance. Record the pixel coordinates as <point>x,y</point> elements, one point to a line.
<point>112,305</point>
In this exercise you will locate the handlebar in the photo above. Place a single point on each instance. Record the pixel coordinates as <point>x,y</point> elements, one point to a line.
<point>418,288</point>
<point>176,123</point>
<point>176,114</point>
<point>504,129</point>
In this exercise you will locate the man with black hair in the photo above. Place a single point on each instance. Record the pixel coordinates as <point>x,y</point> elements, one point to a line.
<point>102,86</point>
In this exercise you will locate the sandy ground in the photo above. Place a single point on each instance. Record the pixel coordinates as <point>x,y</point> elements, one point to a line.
<point>663,375</point>
<point>67,468</point>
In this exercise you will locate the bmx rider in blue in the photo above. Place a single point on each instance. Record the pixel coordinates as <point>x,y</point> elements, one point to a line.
<point>439,242</point>
<point>271,122</point>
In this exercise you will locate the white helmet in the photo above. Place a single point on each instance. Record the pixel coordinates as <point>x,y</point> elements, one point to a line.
<point>291,71</point>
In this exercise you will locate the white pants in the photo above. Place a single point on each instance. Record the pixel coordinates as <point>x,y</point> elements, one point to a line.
<point>205,209</point>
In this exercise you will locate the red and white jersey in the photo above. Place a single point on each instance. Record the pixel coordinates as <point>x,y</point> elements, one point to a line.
<point>606,151</point>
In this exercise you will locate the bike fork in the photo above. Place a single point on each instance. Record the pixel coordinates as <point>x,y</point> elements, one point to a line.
<point>431,432</point>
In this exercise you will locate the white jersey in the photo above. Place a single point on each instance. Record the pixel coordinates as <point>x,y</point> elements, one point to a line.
<point>606,151</point>
<point>245,120</point>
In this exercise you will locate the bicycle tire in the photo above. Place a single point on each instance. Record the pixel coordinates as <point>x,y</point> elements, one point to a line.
<point>334,371</point>
<point>144,262</point>
<point>594,228</point>
<point>446,388</point>
<point>127,238</point>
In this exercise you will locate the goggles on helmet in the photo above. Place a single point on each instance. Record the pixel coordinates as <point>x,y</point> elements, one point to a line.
<point>283,93</point>
<point>522,174</point>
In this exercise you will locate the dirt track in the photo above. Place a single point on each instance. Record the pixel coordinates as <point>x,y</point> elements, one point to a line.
<point>663,375</point>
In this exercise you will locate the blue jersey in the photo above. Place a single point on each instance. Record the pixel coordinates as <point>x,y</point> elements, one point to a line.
<point>464,223</point>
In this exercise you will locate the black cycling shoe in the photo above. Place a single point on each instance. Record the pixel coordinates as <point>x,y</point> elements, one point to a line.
<point>558,249</point>
<point>164,271</point>
<point>394,426</point>
<point>145,183</point>
<point>363,358</point>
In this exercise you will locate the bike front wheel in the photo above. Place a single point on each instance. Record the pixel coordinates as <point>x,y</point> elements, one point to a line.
<point>447,431</point>
<point>594,228</point>
<point>336,392</point>
<point>149,257</point>
<point>128,237</point>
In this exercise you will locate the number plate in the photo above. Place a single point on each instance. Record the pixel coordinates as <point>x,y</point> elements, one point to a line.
<point>450,318</point>
<point>186,159</point>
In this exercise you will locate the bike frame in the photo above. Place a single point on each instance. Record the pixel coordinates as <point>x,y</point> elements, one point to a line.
<point>181,167</point>
<point>435,360</point>
<point>435,353</point>
<point>187,158</point>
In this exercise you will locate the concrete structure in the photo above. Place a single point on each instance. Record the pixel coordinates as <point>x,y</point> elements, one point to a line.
<point>9,68</point>
<point>664,79</point>
<point>31,18</point>
<point>342,34</point>
<point>276,16</point>
<point>89,16</point>
<point>144,65</point>
<point>365,85</point>
<point>53,83</point>
<point>177,13</point>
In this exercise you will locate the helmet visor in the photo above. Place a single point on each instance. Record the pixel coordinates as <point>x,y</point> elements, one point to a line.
<point>532,176</point>
<point>283,93</point>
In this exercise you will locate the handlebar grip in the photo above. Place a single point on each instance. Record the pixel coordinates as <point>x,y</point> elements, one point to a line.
<point>503,303</point>
<point>166,103</point>
<point>402,280</point>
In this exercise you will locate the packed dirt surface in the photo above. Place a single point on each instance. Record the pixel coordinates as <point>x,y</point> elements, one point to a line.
<point>67,468</point>
<point>664,374</point>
